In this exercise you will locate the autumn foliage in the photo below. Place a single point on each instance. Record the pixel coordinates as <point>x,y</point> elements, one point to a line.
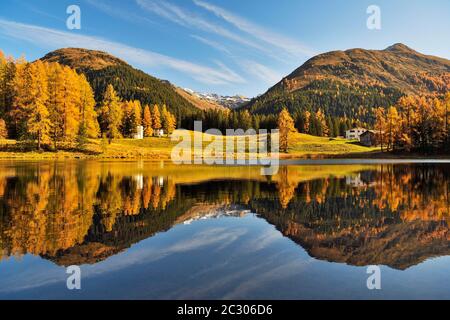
<point>285,127</point>
<point>53,105</point>
<point>415,123</point>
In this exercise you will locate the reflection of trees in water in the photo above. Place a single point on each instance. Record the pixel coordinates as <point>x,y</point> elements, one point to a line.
<point>78,212</point>
<point>398,216</point>
<point>48,208</point>
<point>419,191</point>
<point>43,211</point>
<point>422,193</point>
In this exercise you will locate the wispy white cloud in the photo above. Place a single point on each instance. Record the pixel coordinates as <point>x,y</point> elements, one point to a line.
<point>211,43</point>
<point>43,13</point>
<point>291,268</point>
<point>260,71</point>
<point>40,276</point>
<point>239,31</point>
<point>117,12</point>
<point>289,45</point>
<point>250,67</point>
<point>53,39</point>
<point>215,238</point>
<point>189,19</point>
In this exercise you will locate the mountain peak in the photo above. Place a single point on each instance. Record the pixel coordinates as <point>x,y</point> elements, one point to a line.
<point>102,69</point>
<point>399,47</point>
<point>368,77</point>
<point>80,59</point>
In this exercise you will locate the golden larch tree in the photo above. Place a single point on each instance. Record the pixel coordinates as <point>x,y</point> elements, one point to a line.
<point>3,66</point>
<point>392,126</point>
<point>63,103</point>
<point>132,117</point>
<point>56,101</point>
<point>156,117</point>
<point>307,121</point>
<point>169,121</point>
<point>172,123</point>
<point>38,123</point>
<point>3,130</point>
<point>111,114</point>
<point>147,122</point>
<point>7,92</point>
<point>406,107</point>
<point>71,114</point>
<point>380,125</point>
<point>127,119</point>
<point>286,127</point>
<point>447,110</point>
<point>137,115</point>
<point>22,87</point>
<point>88,115</point>
<point>321,119</point>
<point>438,135</point>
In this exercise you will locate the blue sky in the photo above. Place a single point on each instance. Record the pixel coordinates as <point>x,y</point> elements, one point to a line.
<point>222,46</point>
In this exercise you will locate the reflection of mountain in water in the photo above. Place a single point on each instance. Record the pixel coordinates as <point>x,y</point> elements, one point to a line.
<point>397,217</point>
<point>83,213</point>
<point>367,240</point>
<point>100,244</point>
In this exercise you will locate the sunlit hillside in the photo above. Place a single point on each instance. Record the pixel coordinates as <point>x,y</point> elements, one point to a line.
<point>301,146</point>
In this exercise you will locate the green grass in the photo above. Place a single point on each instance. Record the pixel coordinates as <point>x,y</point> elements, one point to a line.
<point>300,146</point>
<point>303,145</point>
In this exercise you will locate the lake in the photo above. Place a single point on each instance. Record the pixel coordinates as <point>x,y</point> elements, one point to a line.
<point>145,230</point>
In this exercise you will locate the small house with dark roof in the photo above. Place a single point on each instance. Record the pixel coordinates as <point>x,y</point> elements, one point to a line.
<point>369,138</point>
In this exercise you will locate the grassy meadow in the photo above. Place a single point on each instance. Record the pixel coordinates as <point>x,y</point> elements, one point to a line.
<point>300,146</point>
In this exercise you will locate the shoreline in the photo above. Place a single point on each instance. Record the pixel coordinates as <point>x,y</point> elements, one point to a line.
<point>369,157</point>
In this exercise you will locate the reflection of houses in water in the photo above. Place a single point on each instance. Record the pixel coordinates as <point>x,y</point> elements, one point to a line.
<point>355,181</point>
<point>139,178</point>
<point>362,179</point>
<point>325,216</point>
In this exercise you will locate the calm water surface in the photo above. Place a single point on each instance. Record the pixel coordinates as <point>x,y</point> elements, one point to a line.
<point>141,230</point>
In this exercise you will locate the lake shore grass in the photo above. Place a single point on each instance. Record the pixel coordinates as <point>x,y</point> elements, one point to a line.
<point>301,146</point>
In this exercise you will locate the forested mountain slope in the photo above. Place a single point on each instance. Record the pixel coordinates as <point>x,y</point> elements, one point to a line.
<point>350,83</point>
